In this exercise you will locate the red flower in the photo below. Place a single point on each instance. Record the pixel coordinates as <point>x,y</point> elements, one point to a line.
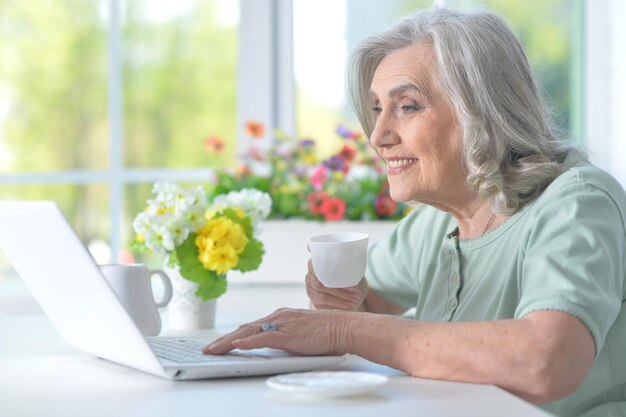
<point>333,208</point>
<point>385,205</point>
<point>355,135</point>
<point>255,129</point>
<point>214,144</point>
<point>347,153</point>
<point>316,201</point>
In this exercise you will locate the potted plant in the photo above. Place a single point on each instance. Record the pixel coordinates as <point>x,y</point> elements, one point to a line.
<point>203,239</point>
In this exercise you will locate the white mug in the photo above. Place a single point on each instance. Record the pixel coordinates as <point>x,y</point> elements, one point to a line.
<point>339,259</point>
<point>133,286</point>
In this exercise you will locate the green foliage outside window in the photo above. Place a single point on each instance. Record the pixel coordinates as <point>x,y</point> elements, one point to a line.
<point>179,86</point>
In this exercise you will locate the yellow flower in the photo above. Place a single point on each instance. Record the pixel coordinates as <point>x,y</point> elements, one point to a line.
<point>204,244</point>
<point>237,238</point>
<point>219,244</point>
<point>290,188</point>
<point>308,158</point>
<point>219,259</point>
<point>216,229</point>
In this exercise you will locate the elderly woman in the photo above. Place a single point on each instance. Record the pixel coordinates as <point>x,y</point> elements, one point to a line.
<point>515,262</point>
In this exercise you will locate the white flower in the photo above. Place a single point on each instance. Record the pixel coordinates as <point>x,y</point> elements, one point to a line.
<point>141,224</point>
<point>253,202</point>
<point>170,216</point>
<point>178,230</point>
<point>159,239</point>
<point>194,217</point>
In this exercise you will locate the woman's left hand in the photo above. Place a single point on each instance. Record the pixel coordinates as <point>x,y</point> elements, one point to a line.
<point>304,332</point>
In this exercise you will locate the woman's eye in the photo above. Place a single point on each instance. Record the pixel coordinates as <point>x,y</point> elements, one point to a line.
<point>377,109</point>
<point>410,108</point>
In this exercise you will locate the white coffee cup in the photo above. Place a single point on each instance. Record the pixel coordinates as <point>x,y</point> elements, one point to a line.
<point>133,286</point>
<point>339,259</point>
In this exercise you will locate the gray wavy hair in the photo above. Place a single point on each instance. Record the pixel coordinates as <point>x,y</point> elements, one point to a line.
<point>511,149</point>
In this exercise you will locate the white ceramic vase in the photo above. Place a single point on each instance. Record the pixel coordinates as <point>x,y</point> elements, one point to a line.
<point>187,311</point>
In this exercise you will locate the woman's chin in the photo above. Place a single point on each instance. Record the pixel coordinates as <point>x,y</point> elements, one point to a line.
<point>401,197</point>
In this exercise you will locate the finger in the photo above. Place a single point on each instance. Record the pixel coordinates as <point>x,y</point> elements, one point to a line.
<point>312,280</point>
<point>273,340</point>
<point>329,301</point>
<point>224,343</point>
<point>323,298</point>
<point>315,284</point>
<point>349,294</point>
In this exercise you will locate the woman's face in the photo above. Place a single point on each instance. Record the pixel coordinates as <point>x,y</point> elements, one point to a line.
<point>416,129</point>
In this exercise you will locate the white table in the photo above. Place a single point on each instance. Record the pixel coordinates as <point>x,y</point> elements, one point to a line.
<point>40,375</point>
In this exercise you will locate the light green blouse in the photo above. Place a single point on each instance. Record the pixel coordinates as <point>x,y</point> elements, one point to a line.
<point>566,252</point>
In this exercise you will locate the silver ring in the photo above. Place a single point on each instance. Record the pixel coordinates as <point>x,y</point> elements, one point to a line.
<point>268,327</point>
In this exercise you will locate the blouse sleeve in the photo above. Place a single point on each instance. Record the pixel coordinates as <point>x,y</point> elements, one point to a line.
<point>575,257</point>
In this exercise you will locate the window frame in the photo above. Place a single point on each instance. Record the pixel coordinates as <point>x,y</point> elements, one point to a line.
<point>265,92</point>
<point>605,85</point>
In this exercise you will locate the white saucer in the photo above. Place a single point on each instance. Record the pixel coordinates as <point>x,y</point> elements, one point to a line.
<point>326,384</point>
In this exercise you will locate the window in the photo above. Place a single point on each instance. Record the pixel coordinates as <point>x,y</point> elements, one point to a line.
<point>551,32</point>
<point>100,99</point>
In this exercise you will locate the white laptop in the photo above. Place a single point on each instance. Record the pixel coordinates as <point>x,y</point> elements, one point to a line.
<point>77,299</point>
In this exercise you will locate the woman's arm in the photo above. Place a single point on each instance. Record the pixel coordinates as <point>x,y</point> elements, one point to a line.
<point>541,357</point>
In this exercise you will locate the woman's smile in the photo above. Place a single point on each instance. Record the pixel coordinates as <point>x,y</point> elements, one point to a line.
<point>397,165</point>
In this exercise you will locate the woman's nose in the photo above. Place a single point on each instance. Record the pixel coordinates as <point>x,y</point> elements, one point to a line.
<point>384,133</point>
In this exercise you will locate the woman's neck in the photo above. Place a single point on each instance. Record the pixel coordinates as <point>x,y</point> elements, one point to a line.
<point>474,216</point>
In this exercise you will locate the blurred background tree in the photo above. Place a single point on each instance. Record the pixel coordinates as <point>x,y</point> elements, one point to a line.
<point>179,77</point>
<point>551,32</point>
<point>179,87</point>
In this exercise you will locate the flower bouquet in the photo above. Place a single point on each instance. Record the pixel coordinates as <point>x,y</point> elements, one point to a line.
<point>204,240</point>
<point>347,185</point>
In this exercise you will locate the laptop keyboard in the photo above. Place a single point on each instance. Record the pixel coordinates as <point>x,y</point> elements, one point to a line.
<point>181,350</point>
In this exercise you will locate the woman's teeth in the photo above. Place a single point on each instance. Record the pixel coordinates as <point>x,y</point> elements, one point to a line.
<point>400,162</point>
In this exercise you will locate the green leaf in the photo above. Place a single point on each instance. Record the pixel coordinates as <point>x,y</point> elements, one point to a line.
<point>210,284</point>
<point>212,289</point>
<point>187,252</point>
<point>197,273</point>
<point>138,246</point>
<point>172,259</point>
<point>251,257</point>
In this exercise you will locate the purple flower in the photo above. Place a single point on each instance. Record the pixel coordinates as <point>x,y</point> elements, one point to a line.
<point>334,163</point>
<point>343,131</point>
<point>299,171</point>
<point>306,143</point>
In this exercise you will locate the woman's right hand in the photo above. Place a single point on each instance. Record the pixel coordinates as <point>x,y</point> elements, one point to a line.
<point>348,299</point>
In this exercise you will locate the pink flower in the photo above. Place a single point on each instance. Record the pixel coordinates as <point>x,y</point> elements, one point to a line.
<point>319,177</point>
